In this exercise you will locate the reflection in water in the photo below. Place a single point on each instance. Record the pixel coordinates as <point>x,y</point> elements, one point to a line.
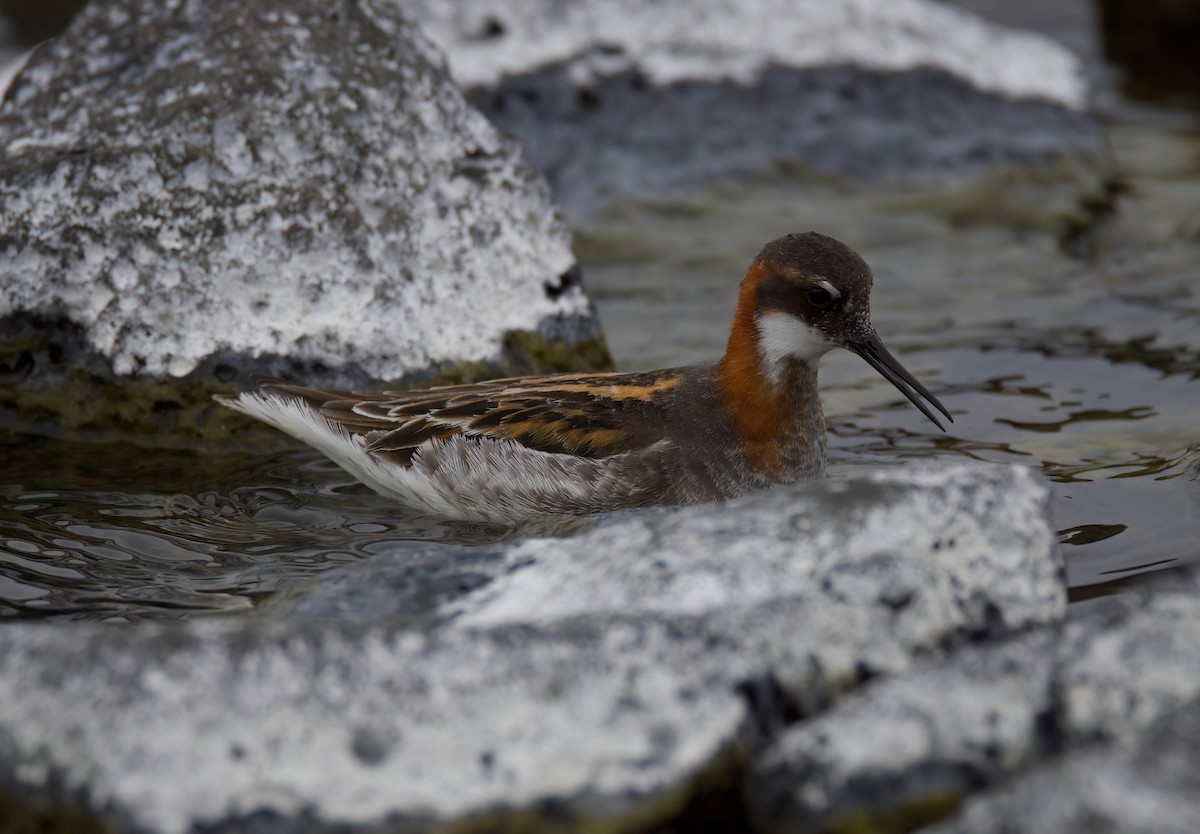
<point>265,526</point>
<point>1139,568</point>
<point>1139,412</point>
<point>1090,533</point>
<point>1093,342</point>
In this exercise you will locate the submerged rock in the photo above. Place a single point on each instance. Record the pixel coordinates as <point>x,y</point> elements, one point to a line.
<point>617,99</point>
<point>192,192</point>
<point>604,678</point>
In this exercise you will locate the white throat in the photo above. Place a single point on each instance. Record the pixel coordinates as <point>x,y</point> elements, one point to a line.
<point>781,336</point>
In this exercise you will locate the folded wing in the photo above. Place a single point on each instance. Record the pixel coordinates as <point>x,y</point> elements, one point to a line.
<point>592,415</point>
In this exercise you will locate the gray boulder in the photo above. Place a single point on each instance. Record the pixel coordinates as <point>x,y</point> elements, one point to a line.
<point>1148,783</point>
<point>913,746</point>
<point>193,191</point>
<point>636,98</point>
<point>607,678</point>
<point>1126,719</point>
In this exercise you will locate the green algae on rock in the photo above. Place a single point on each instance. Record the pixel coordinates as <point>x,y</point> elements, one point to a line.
<point>50,385</point>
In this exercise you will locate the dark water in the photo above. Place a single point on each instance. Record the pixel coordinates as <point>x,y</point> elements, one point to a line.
<point>1077,356</point>
<point>118,533</point>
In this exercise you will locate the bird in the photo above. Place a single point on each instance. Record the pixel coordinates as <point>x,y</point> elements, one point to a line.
<point>522,448</point>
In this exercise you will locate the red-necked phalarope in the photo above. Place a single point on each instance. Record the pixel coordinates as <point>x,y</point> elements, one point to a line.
<point>513,449</point>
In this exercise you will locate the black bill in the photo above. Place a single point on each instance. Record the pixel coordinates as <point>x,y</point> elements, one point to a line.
<point>879,358</point>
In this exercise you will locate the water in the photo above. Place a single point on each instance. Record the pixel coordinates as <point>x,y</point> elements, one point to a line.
<point>1078,356</point>
<point>120,533</point>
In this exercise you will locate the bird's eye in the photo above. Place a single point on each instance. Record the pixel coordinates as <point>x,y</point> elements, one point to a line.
<point>820,297</point>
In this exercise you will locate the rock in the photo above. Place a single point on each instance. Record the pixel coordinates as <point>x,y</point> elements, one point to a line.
<point>847,543</point>
<point>1149,783</point>
<point>1133,661</point>
<point>640,99</point>
<point>414,585</point>
<point>911,747</point>
<point>194,192</point>
<point>1073,23</point>
<point>606,678</point>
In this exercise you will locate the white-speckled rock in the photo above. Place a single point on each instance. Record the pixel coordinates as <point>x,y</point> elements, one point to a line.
<point>936,731</point>
<point>184,180</point>
<point>1145,663</point>
<point>948,728</point>
<point>597,676</point>
<point>720,40</point>
<point>1146,784</point>
<point>843,548</point>
<point>653,99</point>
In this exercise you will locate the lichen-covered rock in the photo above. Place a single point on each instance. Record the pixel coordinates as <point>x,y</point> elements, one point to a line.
<point>1148,783</point>
<point>602,678</point>
<point>911,747</point>
<point>203,190</point>
<point>928,546</point>
<point>1135,661</point>
<point>660,96</point>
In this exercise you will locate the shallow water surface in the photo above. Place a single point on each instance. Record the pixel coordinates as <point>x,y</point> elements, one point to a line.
<point>1080,357</point>
<point>186,532</point>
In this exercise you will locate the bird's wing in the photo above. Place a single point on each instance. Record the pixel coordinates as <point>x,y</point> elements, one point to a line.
<point>591,415</point>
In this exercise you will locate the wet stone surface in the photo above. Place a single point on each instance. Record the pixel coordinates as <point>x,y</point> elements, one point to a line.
<point>860,125</point>
<point>869,650</point>
<point>1124,723</point>
<point>937,733</point>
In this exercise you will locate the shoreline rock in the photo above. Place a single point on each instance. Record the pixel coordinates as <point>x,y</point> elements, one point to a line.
<point>605,677</point>
<point>1050,704</point>
<point>728,40</point>
<point>184,203</point>
<point>664,98</point>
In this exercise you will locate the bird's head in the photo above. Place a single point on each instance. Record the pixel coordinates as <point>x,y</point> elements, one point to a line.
<point>808,294</point>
